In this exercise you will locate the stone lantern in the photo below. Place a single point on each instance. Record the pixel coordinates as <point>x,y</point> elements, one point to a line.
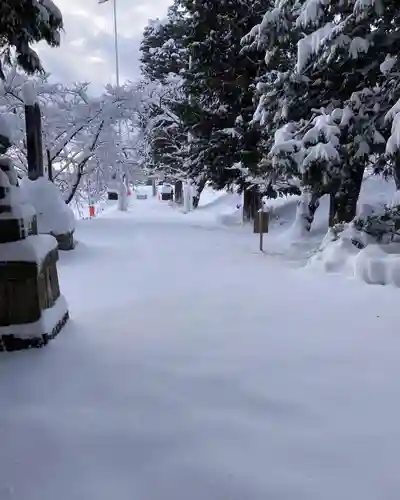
<point>54,216</point>
<point>32,310</point>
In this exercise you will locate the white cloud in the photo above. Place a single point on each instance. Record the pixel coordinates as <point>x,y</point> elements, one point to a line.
<point>87,46</point>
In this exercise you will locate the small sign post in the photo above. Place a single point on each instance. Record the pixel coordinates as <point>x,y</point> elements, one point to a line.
<point>261,223</point>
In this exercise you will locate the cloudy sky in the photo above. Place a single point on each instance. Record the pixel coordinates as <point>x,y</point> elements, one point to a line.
<point>87,50</point>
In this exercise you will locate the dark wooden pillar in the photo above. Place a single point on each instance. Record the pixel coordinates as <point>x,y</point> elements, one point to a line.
<point>33,123</point>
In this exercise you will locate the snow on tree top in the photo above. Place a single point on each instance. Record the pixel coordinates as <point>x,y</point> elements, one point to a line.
<point>271,16</point>
<point>285,141</point>
<point>388,64</point>
<point>323,126</point>
<point>393,111</point>
<point>157,24</point>
<point>309,45</point>
<point>362,5</point>
<point>311,12</point>
<point>321,151</point>
<point>358,45</point>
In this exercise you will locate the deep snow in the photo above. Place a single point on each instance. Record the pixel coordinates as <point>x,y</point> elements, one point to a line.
<point>196,368</point>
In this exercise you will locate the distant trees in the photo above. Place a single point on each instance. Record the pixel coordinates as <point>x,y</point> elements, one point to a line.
<point>287,96</point>
<point>80,134</point>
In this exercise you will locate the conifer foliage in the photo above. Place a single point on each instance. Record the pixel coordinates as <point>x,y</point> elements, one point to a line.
<point>200,45</point>
<point>289,95</point>
<point>23,23</point>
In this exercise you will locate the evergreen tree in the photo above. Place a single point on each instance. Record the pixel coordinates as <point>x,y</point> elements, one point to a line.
<point>23,23</point>
<point>339,49</point>
<point>166,131</point>
<point>278,91</point>
<point>162,49</point>
<point>164,61</point>
<point>220,85</point>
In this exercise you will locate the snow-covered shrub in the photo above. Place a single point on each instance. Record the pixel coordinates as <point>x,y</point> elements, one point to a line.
<point>381,226</point>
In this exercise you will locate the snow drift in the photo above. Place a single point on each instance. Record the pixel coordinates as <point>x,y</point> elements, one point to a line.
<point>374,264</point>
<point>53,214</point>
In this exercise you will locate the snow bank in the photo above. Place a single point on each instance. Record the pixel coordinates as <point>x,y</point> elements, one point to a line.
<point>336,254</point>
<point>53,214</point>
<point>287,236</point>
<point>211,198</point>
<point>228,208</point>
<point>231,217</point>
<point>375,264</point>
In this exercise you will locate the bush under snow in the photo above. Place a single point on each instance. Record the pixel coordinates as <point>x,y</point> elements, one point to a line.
<point>356,255</point>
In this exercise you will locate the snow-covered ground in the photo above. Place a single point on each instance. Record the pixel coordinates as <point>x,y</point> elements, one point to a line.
<point>195,367</point>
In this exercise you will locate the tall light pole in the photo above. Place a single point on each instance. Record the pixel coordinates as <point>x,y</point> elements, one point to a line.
<point>116,42</point>
<point>116,48</point>
<point>115,38</point>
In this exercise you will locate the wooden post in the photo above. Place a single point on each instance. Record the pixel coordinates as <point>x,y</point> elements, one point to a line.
<point>261,223</point>
<point>33,123</point>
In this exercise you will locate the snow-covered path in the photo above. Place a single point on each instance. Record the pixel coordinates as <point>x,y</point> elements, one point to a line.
<point>196,369</point>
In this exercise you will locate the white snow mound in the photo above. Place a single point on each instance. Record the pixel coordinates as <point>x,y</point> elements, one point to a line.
<point>53,214</point>
<point>375,264</point>
<point>232,217</point>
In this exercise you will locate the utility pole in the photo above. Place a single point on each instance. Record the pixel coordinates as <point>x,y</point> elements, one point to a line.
<point>116,43</point>
<point>122,175</point>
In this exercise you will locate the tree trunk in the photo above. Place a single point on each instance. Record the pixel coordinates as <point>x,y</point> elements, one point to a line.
<point>332,209</point>
<point>347,196</point>
<point>75,185</point>
<point>246,205</point>
<point>82,164</point>
<point>178,192</point>
<point>251,203</point>
<point>199,189</point>
<point>312,207</point>
<point>306,208</point>
<point>49,166</point>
